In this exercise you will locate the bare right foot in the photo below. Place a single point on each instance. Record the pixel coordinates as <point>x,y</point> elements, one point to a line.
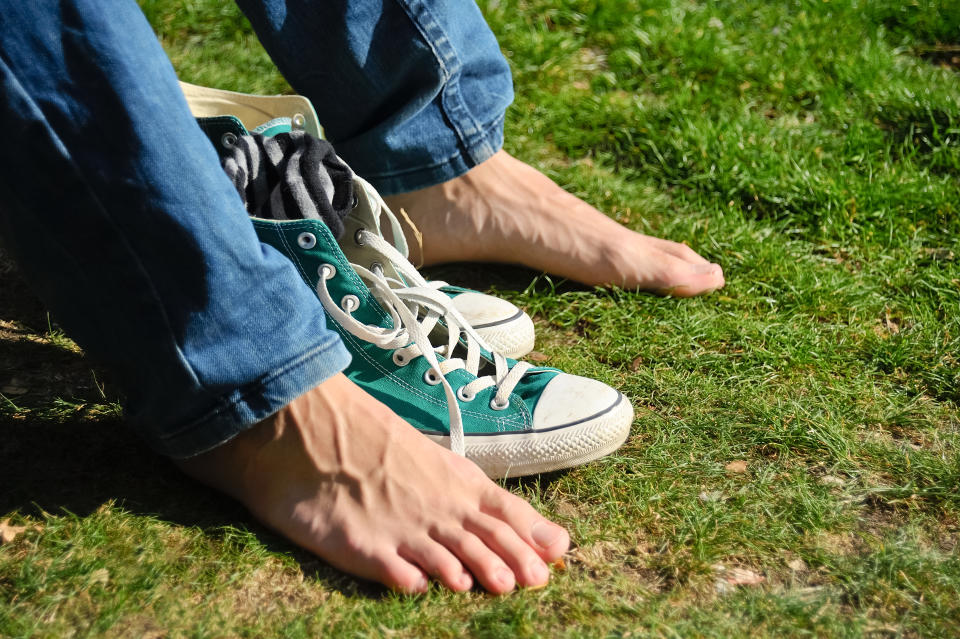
<point>503,210</point>
<point>340,474</point>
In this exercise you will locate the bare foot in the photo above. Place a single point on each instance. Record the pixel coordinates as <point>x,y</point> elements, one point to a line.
<point>506,211</point>
<point>338,473</point>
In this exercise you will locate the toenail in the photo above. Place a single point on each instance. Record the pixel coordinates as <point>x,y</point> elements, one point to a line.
<point>505,577</point>
<point>466,581</point>
<point>421,585</point>
<point>545,535</point>
<point>538,572</point>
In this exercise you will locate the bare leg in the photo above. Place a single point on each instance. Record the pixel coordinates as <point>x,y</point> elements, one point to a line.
<point>338,473</point>
<point>506,211</point>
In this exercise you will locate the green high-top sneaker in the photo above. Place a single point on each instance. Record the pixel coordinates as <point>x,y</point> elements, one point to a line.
<point>226,115</point>
<point>509,417</point>
<point>503,327</point>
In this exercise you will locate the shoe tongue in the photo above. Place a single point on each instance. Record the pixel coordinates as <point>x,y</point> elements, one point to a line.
<point>371,211</point>
<point>439,337</point>
<point>366,213</point>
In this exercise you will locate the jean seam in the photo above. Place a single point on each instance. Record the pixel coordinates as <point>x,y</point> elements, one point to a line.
<point>451,102</point>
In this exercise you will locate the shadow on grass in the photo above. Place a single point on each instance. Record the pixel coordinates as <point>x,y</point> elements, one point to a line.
<point>78,465</point>
<point>941,55</point>
<point>482,276</point>
<point>63,449</point>
<point>501,277</point>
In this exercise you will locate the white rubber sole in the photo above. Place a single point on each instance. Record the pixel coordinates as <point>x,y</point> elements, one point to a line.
<point>532,452</point>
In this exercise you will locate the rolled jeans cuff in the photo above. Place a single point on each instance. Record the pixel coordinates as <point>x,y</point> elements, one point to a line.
<point>483,147</point>
<point>246,406</point>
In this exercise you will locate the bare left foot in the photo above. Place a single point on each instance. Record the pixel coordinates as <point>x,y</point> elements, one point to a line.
<point>340,474</point>
<point>506,211</point>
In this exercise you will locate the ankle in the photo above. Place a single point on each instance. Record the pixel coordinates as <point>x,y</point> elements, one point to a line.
<point>227,467</point>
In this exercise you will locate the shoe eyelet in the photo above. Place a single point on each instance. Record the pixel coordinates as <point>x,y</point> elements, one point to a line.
<point>307,240</point>
<point>376,267</point>
<point>356,200</point>
<point>399,359</point>
<point>327,271</point>
<point>495,406</point>
<point>298,121</point>
<point>358,236</point>
<point>464,395</point>
<point>431,378</point>
<point>228,140</point>
<point>350,303</point>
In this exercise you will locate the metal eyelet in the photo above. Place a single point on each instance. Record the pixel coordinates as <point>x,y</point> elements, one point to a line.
<point>350,303</point>
<point>377,268</point>
<point>298,121</point>
<point>307,240</point>
<point>399,359</point>
<point>356,201</point>
<point>228,140</point>
<point>464,395</point>
<point>495,406</point>
<point>431,378</point>
<point>327,271</point>
<point>358,236</point>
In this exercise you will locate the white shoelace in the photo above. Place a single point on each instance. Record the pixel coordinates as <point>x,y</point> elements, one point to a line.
<point>409,335</point>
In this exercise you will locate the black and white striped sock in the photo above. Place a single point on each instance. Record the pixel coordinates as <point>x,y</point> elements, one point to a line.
<point>291,176</point>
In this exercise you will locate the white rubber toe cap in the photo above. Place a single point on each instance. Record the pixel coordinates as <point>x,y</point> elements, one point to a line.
<point>569,399</point>
<point>505,328</point>
<point>576,420</point>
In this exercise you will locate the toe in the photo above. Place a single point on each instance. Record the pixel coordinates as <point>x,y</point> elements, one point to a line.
<point>680,250</point>
<point>439,562</point>
<point>549,540</point>
<point>396,573</point>
<point>527,566</point>
<point>486,565</point>
<point>683,279</point>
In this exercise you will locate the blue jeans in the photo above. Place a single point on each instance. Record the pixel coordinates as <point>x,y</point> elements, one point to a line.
<point>117,210</point>
<point>411,92</point>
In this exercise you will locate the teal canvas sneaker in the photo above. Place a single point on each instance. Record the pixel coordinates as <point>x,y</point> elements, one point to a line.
<point>503,327</point>
<point>226,115</point>
<point>509,417</point>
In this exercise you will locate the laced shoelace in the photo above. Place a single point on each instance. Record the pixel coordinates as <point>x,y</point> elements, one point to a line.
<point>416,307</point>
<point>399,237</point>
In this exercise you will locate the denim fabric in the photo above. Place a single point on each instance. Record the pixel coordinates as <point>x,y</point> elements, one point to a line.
<point>116,207</point>
<point>411,92</point>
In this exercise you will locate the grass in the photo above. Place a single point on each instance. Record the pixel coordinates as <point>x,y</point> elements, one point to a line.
<point>813,149</point>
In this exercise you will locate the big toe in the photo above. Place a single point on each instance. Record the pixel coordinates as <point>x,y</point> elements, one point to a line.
<point>549,540</point>
<point>683,279</point>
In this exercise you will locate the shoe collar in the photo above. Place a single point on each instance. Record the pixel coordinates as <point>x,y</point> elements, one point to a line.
<point>252,110</point>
